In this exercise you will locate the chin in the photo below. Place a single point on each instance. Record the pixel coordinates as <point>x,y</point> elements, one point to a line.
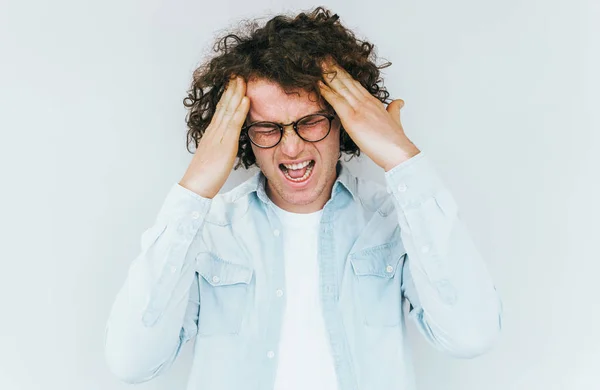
<point>299,197</point>
<point>304,195</point>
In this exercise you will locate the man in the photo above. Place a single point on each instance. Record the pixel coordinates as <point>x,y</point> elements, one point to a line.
<point>296,279</point>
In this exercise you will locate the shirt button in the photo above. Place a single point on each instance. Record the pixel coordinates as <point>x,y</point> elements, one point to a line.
<point>195,215</point>
<point>425,249</point>
<point>402,187</point>
<point>270,354</point>
<point>279,293</point>
<point>173,269</point>
<point>276,233</point>
<point>389,269</point>
<point>216,279</point>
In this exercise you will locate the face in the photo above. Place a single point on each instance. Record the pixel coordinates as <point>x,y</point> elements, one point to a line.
<point>291,185</point>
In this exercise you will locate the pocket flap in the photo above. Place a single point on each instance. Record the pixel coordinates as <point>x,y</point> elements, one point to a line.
<point>218,272</point>
<point>382,260</point>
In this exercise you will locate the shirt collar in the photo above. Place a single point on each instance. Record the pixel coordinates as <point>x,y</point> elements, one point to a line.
<point>345,181</point>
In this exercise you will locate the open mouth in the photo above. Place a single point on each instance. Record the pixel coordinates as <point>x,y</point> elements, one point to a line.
<point>298,173</point>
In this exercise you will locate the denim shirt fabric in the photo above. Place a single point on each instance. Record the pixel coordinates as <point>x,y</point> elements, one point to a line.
<point>212,269</point>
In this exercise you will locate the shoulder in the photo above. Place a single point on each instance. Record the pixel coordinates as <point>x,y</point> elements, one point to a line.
<point>233,204</point>
<point>370,193</point>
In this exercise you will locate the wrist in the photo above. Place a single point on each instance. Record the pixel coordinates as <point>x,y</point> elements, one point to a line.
<point>401,153</point>
<point>197,187</point>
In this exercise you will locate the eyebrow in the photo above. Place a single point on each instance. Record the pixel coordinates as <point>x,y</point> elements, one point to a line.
<point>323,111</point>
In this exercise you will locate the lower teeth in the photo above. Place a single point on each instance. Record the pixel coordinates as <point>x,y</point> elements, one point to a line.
<point>306,174</point>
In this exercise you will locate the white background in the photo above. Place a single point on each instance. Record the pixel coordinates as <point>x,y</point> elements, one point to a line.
<point>502,94</point>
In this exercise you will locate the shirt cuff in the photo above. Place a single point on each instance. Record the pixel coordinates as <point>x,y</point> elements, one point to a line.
<point>182,205</point>
<point>413,181</point>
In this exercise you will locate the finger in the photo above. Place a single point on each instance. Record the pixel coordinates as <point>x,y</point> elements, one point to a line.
<point>339,103</point>
<point>343,83</point>
<point>342,88</point>
<point>231,133</point>
<point>234,104</point>
<point>239,116</point>
<point>394,109</point>
<point>223,103</point>
<point>230,126</point>
<point>234,99</point>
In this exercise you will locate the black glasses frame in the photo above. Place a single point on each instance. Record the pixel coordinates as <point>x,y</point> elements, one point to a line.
<point>282,127</point>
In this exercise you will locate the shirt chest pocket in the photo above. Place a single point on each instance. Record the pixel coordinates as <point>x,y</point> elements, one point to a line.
<point>378,274</point>
<point>224,294</point>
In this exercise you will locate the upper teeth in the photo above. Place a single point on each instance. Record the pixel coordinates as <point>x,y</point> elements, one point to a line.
<point>297,166</point>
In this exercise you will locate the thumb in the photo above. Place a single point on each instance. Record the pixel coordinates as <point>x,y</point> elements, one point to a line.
<point>394,109</point>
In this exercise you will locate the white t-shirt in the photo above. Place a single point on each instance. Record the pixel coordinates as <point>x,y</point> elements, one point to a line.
<point>305,360</point>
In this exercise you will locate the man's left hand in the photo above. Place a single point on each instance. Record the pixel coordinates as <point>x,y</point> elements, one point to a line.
<point>376,130</point>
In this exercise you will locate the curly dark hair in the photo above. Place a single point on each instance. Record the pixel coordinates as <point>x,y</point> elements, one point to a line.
<point>288,51</point>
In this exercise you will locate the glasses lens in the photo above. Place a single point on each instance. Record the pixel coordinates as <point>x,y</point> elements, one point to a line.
<point>264,134</point>
<point>314,127</point>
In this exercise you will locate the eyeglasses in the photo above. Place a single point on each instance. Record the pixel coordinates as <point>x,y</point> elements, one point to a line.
<point>311,128</point>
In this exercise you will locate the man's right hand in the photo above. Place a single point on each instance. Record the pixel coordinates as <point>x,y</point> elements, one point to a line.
<point>216,152</point>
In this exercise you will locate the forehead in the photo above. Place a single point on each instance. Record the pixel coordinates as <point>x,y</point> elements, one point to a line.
<point>269,102</point>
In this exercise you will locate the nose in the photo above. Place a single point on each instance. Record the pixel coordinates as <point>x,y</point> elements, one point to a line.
<point>291,144</point>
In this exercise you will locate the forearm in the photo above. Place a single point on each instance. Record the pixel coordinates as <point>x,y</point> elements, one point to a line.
<point>155,310</point>
<point>445,278</point>
<point>136,352</point>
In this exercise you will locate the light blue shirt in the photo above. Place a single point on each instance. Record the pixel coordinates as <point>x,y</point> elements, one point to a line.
<point>212,269</point>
